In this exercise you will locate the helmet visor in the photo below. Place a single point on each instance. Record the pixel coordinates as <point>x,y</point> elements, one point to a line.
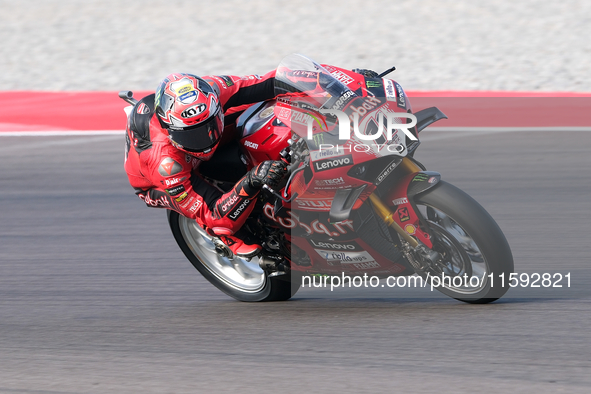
<point>200,137</point>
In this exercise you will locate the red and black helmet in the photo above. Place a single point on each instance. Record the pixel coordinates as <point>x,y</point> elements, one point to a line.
<point>190,110</point>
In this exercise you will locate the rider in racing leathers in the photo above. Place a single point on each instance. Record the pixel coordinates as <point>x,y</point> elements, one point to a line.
<point>183,124</point>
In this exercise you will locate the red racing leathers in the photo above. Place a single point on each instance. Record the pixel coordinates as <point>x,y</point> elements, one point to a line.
<point>166,177</point>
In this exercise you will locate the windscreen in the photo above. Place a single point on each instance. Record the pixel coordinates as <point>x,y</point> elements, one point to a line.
<point>325,112</point>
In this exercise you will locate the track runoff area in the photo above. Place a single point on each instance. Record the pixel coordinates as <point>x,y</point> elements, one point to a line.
<point>26,113</point>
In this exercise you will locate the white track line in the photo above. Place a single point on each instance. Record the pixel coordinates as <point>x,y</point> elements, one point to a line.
<point>507,129</point>
<point>41,133</point>
<point>38,144</point>
<point>443,133</point>
<point>429,134</point>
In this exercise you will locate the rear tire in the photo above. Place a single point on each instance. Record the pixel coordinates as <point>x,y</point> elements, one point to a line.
<point>238,278</point>
<point>452,212</point>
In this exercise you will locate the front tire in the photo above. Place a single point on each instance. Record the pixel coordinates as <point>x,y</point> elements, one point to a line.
<point>240,279</point>
<point>471,241</point>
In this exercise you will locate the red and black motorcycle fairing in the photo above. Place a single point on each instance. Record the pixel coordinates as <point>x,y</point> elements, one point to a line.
<point>329,219</point>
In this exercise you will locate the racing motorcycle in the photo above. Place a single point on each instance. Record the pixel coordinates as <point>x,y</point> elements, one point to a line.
<point>356,200</point>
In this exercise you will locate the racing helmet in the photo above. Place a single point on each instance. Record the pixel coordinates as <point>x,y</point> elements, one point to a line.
<point>189,109</point>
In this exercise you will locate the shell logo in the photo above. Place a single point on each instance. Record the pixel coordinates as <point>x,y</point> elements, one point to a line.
<point>409,228</point>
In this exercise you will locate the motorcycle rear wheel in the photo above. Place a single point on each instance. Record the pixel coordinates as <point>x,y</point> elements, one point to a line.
<point>239,278</point>
<point>472,242</point>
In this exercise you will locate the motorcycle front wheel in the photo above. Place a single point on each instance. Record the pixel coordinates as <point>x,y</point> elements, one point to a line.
<point>239,278</point>
<point>470,244</point>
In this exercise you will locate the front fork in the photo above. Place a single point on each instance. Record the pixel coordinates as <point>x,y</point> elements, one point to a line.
<point>387,216</point>
<point>416,253</point>
<point>406,220</point>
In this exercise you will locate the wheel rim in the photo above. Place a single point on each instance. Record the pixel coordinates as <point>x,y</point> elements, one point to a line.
<point>461,254</point>
<point>238,273</point>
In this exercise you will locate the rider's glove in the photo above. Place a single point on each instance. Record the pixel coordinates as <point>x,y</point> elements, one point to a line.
<point>365,72</point>
<point>267,173</point>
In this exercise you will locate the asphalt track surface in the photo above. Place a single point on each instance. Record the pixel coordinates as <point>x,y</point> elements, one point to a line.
<point>96,297</point>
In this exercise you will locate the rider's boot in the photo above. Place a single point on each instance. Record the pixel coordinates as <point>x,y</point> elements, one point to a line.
<point>227,242</point>
<point>236,246</point>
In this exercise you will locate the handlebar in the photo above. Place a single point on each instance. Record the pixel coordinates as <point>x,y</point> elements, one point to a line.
<point>292,170</point>
<point>388,71</point>
<point>127,95</point>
